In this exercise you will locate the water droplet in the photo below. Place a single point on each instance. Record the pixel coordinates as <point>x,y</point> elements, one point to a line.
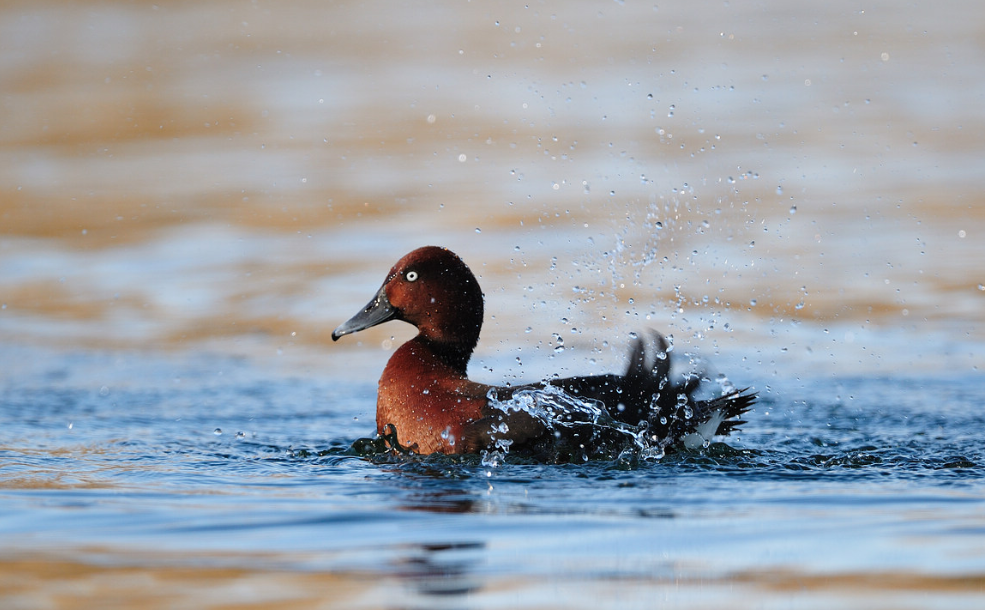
<point>104,391</point>
<point>217,432</point>
<point>752,302</point>
<point>793,210</point>
<point>478,230</point>
<point>241,435</point>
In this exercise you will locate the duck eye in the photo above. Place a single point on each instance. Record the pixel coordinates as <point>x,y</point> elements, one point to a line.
<point>411,276</point>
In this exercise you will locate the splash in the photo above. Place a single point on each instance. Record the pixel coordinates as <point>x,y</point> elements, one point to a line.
<point>638,242</point>
<point>566,416</point>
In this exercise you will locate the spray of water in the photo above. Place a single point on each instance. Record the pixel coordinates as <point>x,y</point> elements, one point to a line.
<point>560,413</point>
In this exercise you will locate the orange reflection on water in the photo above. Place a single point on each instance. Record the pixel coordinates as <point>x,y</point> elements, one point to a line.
<point>274,161</point>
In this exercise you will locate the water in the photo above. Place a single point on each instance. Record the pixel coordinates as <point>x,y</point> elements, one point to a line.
<point>832,493</point>
<point>192,196</point>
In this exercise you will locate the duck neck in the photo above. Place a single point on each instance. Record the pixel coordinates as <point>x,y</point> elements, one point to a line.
<point>454,354</point>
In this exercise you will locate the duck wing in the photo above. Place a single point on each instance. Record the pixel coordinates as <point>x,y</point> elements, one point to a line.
<point>645,395</point>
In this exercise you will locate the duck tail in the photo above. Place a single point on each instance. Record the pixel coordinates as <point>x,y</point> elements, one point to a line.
<point>730,408</point>
<point>664,401</point>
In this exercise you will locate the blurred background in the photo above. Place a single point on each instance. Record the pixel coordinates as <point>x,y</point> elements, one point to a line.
<point>794,190</point>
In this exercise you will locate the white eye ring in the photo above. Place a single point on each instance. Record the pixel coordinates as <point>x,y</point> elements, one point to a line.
<point>411,276</point>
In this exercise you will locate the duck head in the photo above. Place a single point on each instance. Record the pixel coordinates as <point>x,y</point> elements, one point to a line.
<point>433,289</point>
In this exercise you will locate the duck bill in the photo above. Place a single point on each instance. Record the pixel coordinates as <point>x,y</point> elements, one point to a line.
<point>376,312</point>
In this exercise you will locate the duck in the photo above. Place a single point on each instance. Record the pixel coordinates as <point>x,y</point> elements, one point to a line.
<point>426,403</point>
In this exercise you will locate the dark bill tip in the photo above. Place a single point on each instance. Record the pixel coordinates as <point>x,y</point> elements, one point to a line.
<point>376,312</point>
